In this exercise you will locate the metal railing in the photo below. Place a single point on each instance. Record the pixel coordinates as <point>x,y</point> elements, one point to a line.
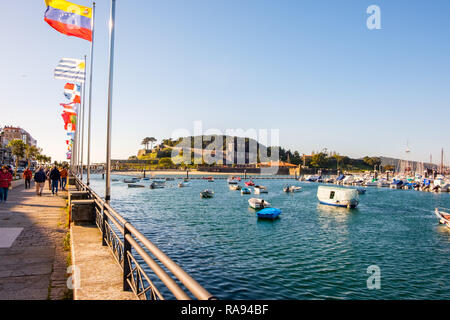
<point>123,238</point>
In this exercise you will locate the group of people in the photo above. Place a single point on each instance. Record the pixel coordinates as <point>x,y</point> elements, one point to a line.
<point>57,177</point>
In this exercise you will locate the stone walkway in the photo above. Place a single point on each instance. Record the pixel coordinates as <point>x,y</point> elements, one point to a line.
<point>32,256</point>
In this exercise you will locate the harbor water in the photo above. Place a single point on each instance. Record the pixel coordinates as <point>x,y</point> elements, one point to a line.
<point>312,252</point>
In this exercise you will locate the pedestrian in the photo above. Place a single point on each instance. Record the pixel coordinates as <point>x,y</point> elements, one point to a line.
<point>5,183</point>
<point>64,175</point>
<point>55,176</point>
<point>39,179</point>
<point>27,175</point>
<point>47,173</point>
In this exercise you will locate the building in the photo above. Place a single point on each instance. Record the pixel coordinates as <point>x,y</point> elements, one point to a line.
<point>13,133</point>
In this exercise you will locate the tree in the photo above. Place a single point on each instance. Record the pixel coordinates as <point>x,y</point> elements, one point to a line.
<point>18,150</point>
<point>374,161</point>
<point>152,140</point>
<point>31,152</point>
<point>165,163</point>
<point>319,160</point>
<point>145,142</point>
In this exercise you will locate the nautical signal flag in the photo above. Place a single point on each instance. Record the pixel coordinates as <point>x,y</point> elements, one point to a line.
<point>69,18</point>
<point>71,70</point>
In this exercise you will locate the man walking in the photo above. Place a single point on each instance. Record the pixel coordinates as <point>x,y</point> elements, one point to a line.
<point>64,174</point>
<point>39,179</point>
<point>5,183</point>
<point>27,175</point>
<point>55,176</point>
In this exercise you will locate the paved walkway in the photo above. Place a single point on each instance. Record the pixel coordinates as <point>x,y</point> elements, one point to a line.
<point>32,257</point>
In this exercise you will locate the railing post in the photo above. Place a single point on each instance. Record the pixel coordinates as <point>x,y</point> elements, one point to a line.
<point>126,264</point>
<point>104,220</point>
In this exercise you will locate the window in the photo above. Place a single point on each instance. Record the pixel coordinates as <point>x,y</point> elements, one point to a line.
<point>332,193</point>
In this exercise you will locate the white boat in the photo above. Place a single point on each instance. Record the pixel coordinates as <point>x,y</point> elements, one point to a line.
<point>232,181</point>
<point>371,183</point>
<point>339,197</point>
<point>183,184</point>
<point>234,187</point>
<point>383,184</point>
<point>256,203</point>
<point>444,217</point>
<point>260,189</point>
<point>292,189</point>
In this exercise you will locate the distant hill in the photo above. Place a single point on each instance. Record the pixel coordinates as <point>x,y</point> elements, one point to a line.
<point>385,161</point>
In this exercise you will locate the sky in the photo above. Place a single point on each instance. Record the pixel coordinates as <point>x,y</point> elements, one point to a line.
<point>310,69</point>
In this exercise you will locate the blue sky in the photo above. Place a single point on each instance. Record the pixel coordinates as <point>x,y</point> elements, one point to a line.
<point>311,69</point>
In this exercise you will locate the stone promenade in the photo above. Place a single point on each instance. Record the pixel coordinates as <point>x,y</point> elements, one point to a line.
<point>32,256</point>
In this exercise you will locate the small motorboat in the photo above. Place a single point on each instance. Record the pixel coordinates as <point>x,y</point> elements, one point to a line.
<point>157,184</point>
<point>269,213</point>
<point>250,183</point>
<point>256,203</point>
<point>146,179</point>
<point>361,190</point>
<point>292,189</point>
<point>245,190</point>
<point>114,180</point>
<point>170,179</point>
<point>132,180</point>
<point>232,181</point>
<point>396,184</point>
<point>133,185</point>
<point>184,184</point>
<point>444,217</point>
<point>235,187</point>
<point>383,184</point>
<point>338,197</point>
<point>206,194</point>
<point>260,189</point>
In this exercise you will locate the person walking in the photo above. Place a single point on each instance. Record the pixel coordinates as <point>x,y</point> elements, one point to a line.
<point>27,175</point>
<point>5,183</point>
<point>64,173</point>
<point>47,173</point>
<point>39,179</point>
<point>55,177</point>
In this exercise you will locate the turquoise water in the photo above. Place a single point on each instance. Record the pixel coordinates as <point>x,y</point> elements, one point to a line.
<point>311,252</point>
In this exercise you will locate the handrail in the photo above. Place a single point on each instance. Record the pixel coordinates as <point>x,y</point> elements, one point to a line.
<point>134,239</point>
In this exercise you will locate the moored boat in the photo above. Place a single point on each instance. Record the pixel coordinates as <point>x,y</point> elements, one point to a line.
<point>256,203</point>
<point>207,194</point>
<point>245,190</point>
<point>339,197</point>
<point>249,183</point>
<point>260,189</point>
<point>131,180</point>
<point>235,187</point>
<point>292,189</point>
<point>269,213</point>
<point>183,184</point>
<point>444,217</point>
<point>157,184</point>
<point>133,185</point>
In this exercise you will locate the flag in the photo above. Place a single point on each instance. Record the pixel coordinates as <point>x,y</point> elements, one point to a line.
<point>69,18</point>
<point>70,108</point>
<point>71,69</point>
<point>71,91</point>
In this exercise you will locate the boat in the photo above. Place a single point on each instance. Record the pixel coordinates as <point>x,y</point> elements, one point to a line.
<point>292,189</point>
<point>235,187</point>
<point>371,183</point>
<point>250,183</point>
<point>207,194</point>
<point>444,217</point>
<point>232,180</point>
<point>157,184</point>
<point>339,197</point>
<point>133,185</point>
<point>146,179</point>
<point>383,184</point>
<point>245,190</point>
<point>114,180</point>
<point>361,190</point>
<point>170,179</point>
<point>260,189</point>
<point>183,184</point>
<point>131,180</point>
<point>396,184</point>
<point>269,213</point>
<point>256,203</point>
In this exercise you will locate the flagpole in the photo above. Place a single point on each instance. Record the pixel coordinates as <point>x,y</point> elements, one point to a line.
<point>110,95</point>
<point>82,120</point>
<point>90,99</point>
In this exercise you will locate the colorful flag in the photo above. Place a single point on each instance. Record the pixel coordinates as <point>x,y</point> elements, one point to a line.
<point>71,69</point>
<point>71,91</point>
<point>69,18</point>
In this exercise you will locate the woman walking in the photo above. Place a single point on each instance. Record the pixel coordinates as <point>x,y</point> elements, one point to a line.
<point>5,183</point>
